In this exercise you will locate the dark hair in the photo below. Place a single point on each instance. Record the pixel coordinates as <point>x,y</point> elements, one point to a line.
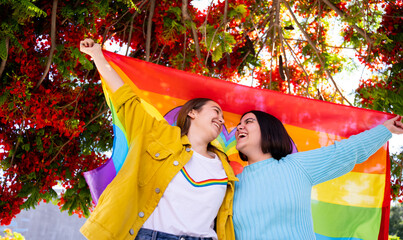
<point>183,119</point>
<point>274,138</point>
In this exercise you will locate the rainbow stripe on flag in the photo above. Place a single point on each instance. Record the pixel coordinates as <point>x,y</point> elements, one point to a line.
<point>354,206</point>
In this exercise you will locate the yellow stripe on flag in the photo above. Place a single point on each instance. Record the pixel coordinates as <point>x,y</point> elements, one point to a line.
<point>353,189</point>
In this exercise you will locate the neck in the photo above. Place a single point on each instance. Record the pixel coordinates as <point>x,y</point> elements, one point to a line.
<point>258,157</point>
<point>198,144</point>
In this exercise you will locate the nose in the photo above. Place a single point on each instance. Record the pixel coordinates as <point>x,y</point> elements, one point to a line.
<point>239,127</point>
<point>222,121</point>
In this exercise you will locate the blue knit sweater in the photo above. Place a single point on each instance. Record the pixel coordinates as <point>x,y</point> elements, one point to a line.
<point>273,198</point>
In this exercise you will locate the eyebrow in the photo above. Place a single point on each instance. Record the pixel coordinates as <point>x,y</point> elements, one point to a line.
<point>219,109</point>
<point>247,120</point>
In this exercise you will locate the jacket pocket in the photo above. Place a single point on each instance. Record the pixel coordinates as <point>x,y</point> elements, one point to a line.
<point>154,158</point>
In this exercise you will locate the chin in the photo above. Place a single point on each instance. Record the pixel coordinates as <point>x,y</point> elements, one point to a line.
<point>214,136</point>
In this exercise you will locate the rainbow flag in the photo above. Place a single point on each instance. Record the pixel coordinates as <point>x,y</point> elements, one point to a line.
<point>354,206</point>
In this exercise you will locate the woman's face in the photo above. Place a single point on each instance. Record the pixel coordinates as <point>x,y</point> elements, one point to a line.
<point>208,121</point>
<point>248,135</point>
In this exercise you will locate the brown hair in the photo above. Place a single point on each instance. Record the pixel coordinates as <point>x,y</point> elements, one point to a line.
<point>183,119</point>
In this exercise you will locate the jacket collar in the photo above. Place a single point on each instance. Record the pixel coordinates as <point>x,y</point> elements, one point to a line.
<point>185,140</point>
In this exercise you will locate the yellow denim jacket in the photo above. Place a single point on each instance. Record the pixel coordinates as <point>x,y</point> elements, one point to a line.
<point>156,154</point>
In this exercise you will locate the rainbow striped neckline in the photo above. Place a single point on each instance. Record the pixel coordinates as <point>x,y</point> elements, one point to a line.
<point>204,183</point>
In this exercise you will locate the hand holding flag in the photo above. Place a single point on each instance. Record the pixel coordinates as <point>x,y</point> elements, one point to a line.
<point>112,79</point>
<point>394,125</point>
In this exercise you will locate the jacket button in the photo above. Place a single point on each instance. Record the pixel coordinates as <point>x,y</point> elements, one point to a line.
<point>131,231</point>
<point>157,190</point>
<point>141,214</point>
<point>188,149</point>
<point>176,163</point>
<point>157,155</point>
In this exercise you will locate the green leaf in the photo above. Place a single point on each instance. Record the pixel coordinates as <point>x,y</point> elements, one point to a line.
<point>69,192</point>
<point>73,206</point>
<point>31,175</point>
<point>85,62</point>
<point>10,105</point>
<point>3,98</point>
<point>81,183</point>
<point>41,132</point>
<point>217,54</point>
<point>26,189</point>
<point>34,10</point>
<point>130,4</point>
<point>86,212</point>
<point>3,49</point>
<point>176,11</point>
<point>66,206</point>
<point>26,147</point>
<point>52,193</point>
<point>238,12</point>
<point>38,142</point>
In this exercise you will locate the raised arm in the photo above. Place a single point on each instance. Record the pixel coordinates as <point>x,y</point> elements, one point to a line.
<point>333,161</point>
<point>111,77</point>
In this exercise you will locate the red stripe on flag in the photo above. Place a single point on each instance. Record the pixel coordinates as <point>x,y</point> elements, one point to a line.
<point>294,110</point>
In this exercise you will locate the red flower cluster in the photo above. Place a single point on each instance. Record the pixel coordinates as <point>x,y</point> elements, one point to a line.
<point>48,134</point>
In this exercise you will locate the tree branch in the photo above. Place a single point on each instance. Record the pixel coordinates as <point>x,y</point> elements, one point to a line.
<point>3,62</point>
<point>15,152</point>
<point>300,65</point>
<point>302,40</point>
<point>287,72</point>
<point>184,50</point>
<point>245,34</point>
<point>344,15</point>
<point>223,23</point>
<point>318,54</point>
<point>211,43</point>
<point>53,44</point>
<point>186,17</point>
<point>159,56</point>
<point>243,59</point>
<point>113,24</point>
<point>205,22</point>
<point>70,139</point>
<point>397,163</point>
<point>131,26</point>
<point>149,26</point>
<point>275,25</point>
<point>71,103</point>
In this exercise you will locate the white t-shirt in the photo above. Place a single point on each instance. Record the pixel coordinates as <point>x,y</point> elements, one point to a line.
<point>192,199</point>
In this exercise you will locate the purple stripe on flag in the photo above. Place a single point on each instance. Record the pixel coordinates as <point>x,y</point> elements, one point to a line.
<point>99,178</point>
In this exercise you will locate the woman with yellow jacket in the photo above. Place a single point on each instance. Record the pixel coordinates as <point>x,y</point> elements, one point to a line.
<point>174,183</point>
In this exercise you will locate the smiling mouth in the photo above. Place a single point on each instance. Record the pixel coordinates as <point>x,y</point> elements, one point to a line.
<point>217,125</point>
<point>241,135</point>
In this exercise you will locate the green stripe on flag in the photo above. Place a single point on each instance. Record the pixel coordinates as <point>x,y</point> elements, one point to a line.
<point>222,143</point>
<point>334,220</point>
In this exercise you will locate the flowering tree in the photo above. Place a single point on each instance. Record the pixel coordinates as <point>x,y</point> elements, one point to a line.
<point>54,121</point>
<point>384,91</point>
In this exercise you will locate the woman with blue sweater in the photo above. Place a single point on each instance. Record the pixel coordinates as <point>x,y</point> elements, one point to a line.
<point>273,196</point>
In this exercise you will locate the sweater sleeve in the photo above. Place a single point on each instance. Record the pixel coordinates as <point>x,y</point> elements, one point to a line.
<point>131,113</point>
<point>333,161</point>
